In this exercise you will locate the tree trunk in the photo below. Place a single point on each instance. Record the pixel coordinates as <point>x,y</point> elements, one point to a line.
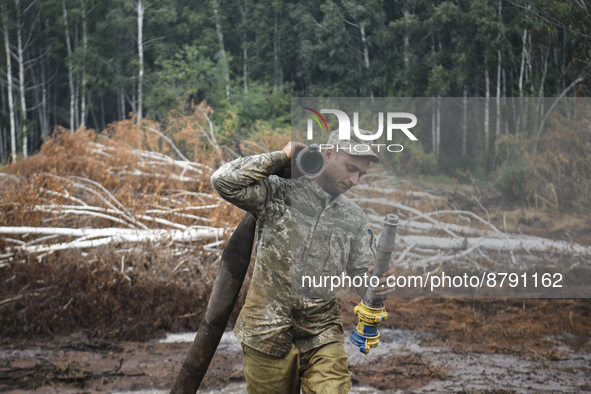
<point>486,115</point>
<point>44,105</point>
<point>505,102</point>
<point>121,103</point>
<point>406,45</point>
<point>223,57</point>
<point>140,46</point>
<point>3,97</point>
<point>70,68</point>
<point>54,107</point>
<point>76,96</point>
<point>1,145</point>
<point>498,101</point>
<point>522,112</point>
<point>245,67</point>
<point>94,118</point>
<point>275,50</point>
<point>464,120</point>
<point>4,109</point>
<point>103,122</point>
<point>434,132</point>
<point>11,108</point>
<point>519,243</point>
<point>244,12</point>
<point>41,96</point>
<point>523,58</point>
<point>133,103</point>
<point>528,69</point>
<point>540,110</point>
<point>85,46</point>
<point>21,79</point>
<point>366,58</point>
<point>438,127</point>
<point>545,117</point>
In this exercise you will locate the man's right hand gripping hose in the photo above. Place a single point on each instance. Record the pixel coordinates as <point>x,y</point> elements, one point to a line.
<point>371,310</point>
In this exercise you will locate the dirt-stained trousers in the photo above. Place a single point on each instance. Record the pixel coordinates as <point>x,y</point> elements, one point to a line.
<point>320,370</point>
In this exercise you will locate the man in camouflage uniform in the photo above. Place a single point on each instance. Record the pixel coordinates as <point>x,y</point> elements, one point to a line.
<point>293,336</point>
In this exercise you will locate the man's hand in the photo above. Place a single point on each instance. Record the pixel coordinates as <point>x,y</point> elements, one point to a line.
<point>382,289</point>
<point>291,147</point>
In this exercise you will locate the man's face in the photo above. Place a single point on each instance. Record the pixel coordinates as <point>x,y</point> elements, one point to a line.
<point>342,171</point>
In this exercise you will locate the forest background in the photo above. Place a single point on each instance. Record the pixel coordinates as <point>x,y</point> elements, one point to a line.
<point>90,63</point>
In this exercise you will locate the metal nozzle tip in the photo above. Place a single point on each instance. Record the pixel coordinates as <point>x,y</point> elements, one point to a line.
<point>392,220</point>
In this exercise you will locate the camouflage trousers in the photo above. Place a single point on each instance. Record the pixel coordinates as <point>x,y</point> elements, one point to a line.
<point>320,370</point>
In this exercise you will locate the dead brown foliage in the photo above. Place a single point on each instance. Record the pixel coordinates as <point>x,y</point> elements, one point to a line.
<point>67,292</point>
<point>123,291</point>
<point>563,166</point>
<point>70,155</point>
<point>553,171</point>
<point>516,326</point>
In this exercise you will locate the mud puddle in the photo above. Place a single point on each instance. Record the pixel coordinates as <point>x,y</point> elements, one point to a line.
<point>564,370</point>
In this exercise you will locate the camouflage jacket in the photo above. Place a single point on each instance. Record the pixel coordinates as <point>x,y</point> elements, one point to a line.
<point>301,230</point>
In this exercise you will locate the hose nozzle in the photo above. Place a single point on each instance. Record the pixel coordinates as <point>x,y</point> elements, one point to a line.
<point>308,162</point>
<point>366,335</point>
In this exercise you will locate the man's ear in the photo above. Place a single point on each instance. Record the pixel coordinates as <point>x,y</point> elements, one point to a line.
<point>328,154</point>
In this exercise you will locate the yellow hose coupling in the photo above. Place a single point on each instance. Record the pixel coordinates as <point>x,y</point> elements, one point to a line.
<point>366,335</point>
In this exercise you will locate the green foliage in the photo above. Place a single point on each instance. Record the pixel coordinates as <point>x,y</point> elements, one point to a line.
<point>510,148</point>
<point>262,102</point>
<point>189,76</point>
<point>269,137</point>
<point>274,50</point>
<point>459,166</point>
<point>413,160</point>
<point>514,179</point>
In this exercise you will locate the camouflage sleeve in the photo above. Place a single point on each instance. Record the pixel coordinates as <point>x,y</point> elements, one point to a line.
<point>243,182</point>
<point>363,255</point>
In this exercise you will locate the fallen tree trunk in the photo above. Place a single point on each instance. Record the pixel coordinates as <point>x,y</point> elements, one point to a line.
<point>88,238</point>
<point>514,244</point>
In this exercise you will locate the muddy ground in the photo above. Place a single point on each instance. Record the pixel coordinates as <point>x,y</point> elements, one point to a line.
<point>428,345</point>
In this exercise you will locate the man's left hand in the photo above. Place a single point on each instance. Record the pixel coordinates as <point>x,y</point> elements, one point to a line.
<point>382,289</point>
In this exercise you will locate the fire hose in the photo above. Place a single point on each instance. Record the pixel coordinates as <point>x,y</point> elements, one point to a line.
<point>226,287</point>
<point>371,310</point>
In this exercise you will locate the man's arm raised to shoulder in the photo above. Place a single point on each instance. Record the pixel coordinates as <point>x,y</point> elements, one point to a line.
<point>241,181</point>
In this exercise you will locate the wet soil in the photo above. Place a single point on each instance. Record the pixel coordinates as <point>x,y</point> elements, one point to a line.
<point>428,345</point>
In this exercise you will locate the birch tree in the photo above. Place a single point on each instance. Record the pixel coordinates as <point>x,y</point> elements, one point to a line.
<point>84,10</point>
<point>41,97</point>
<point>464,120</point>
<point>140,48</point>
<point>223,57</point>
<point>498,97</point>
<point>4,109</point>
<point>11,107</point>
<point>243,6</point>
<point>21,79</point>
<point>486,115</point>
<point>73,126</point>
